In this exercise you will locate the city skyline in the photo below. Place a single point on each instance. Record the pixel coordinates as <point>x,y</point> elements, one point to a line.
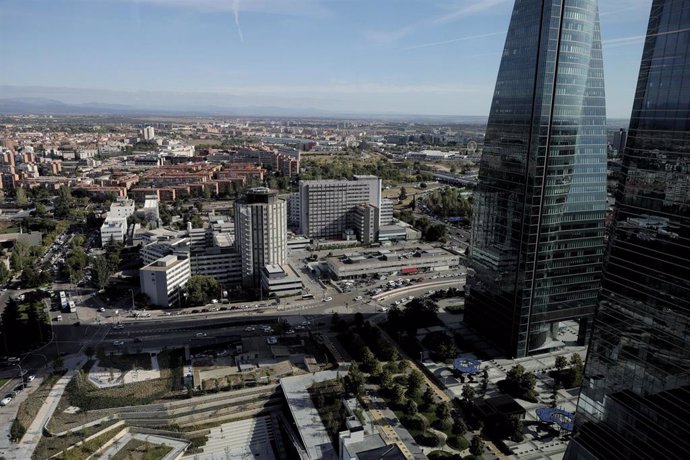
<point>353,57</point>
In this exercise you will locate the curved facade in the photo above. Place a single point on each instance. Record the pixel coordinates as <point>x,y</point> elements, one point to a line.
<point>538,226</point>
<point>635,399</point>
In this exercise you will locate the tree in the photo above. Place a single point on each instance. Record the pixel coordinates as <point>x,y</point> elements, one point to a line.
<point>21,255</point>
<point>386,378</point>
<point>22,199</point>
<point>5,274</point>
<point>436,232</point>
<point>398,393</point>
<point>485,381</point>
<point>576,370</point>
<point>403,193</point>
<point>411,407</point>
<point>459,427</point>
<point>468,393</point>
<point>101,271</point>
<point>414,383</point>
<point>356,379</point>
<point>561,363</point>
<point>368,359</point>
<point>443,410</point>
<point>476,446</point>
<point>196,221</point>
<point>40,209</point>
<point>520,382</point>
<point>428,397</point>
<point>201,289</point>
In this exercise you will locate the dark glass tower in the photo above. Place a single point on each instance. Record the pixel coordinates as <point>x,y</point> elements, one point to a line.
<point>538,227</point>
<point>635,399</point>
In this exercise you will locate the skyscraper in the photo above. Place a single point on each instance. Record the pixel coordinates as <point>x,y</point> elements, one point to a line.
<point>538,226</point>
<point>635,399</point>
<point>260,233</point>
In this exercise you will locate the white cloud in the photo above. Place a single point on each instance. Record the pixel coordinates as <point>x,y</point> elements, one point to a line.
<point>454,40</point>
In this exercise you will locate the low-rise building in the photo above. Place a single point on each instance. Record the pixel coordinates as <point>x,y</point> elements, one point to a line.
<point>361,264</point>
<point>113,229</point>
<point>163,280</point>
<point>280,281</point>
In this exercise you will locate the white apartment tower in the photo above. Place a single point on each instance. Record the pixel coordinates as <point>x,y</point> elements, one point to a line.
<point>149,133</point>
<point>327,206</point>
<point>260,233</point>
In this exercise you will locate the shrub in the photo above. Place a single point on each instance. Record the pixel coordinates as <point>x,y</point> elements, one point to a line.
<point>443,424</point>
<point>427,438</point>
<point>458,442</point>
<point>415,422</point>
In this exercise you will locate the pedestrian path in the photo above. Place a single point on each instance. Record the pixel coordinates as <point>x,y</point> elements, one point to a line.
<point>33,434</point>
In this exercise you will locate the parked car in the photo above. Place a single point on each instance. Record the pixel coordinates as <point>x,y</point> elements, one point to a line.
<point>6,400</point>
<point>118,343</point>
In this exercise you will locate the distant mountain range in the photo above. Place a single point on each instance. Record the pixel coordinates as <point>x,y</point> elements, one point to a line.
<point>48,106</point>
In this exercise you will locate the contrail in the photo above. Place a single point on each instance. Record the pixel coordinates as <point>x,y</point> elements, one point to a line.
<point>236,10</point>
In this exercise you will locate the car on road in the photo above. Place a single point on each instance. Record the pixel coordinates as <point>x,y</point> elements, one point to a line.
<point>118,343</point>
<point>30,378</point>
<point>119,326</point>
<point>101,309</point>
<point>249,329</point>
<point>327,299</point>
<point>271,340</point>
<point>13,360</point>
<point>201,334</point>
<point>6,400</point>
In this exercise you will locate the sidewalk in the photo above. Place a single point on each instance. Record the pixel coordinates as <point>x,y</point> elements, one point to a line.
<point>9,413</point>
<point>26,447</point>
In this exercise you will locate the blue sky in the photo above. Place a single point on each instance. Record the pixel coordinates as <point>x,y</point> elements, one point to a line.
<point>436,57</point>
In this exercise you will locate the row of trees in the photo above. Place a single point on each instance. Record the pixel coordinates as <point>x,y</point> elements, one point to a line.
<point>448,202</point>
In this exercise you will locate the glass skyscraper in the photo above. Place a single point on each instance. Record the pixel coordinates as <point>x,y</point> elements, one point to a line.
<point>635,398</point>
<point>538,226</point>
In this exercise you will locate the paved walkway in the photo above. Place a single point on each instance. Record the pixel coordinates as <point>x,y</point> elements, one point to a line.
<point>26,447</point>
<point>391,430</point>
<point>100,376</point>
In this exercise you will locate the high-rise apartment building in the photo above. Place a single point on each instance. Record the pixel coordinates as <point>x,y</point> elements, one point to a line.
<point>327,207</point>
<point>149,133</point>
<point>260,233</point>
<point>538,226</point>
<point>620,137</point>
<point>635,398</point>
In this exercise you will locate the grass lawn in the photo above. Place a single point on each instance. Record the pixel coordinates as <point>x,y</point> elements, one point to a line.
<point>3,382</point>
<point>52,445</point>
<point>140,450</point>
<point>87,449</point>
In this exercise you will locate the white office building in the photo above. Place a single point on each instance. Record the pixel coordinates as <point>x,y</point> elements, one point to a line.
<point>260,233</point>
<point>113,229</point>
<point>162,281</point>
<point>327,207</point>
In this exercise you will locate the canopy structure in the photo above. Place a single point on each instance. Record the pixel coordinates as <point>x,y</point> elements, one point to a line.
<point>467,365</point>
<point>564,419</point>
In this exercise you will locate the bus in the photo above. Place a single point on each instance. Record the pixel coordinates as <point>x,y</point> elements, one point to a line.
<point>71,307</point>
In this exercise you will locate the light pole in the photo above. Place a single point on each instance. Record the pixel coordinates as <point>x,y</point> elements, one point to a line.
<point>131,291</point>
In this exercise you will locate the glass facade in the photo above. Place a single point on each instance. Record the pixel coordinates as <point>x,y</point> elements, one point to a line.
<point>538,227</point>
<point>635,399</point>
